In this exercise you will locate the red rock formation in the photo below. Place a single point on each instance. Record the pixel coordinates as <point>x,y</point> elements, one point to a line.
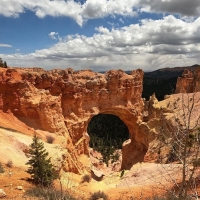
<point>64,101</point>
<point>189,82</point>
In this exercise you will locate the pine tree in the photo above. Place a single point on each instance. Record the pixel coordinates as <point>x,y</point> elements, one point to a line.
<point>1,62</point>
<point>5,64</point>
<point>41,169</point>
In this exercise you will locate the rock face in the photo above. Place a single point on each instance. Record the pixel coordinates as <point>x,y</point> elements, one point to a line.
<point>64,101</point>
<point>189,82</point>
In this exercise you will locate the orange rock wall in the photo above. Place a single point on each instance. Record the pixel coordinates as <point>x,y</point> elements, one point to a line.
<point>64,101</point>
<point>189,82</point>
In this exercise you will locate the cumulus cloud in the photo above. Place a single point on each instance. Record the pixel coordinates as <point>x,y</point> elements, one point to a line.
<point>91,9</point>
<point>54,36</point>
<point>75,10</point>
<point>167,36</point>
<point>149,45</point>
<point>5,45</point>
<point>183,7</point>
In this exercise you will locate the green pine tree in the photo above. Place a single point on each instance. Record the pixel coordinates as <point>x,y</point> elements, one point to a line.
<point>1,62</point>
<point>41,169</point>
<point>5,64</point>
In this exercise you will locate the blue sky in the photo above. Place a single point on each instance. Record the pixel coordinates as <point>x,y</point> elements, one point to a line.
<point>100,34</point>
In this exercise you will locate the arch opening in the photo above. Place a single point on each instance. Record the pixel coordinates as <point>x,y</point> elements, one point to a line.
<point>107,133</point>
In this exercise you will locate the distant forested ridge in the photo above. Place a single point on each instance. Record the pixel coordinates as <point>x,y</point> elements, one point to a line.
<point>162,81</point>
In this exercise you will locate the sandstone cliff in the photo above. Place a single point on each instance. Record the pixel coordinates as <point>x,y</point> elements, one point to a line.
<point>189,82</point>
<point>63,102</point>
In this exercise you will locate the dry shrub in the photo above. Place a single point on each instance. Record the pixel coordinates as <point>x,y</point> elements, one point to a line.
<point>98,195</point>
<point>50,139</point>
<point>9,164</point>
<point>86,178</point>
<point>48,194</point>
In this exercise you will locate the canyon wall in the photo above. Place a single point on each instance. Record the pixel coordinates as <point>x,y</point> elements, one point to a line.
<point>189,82</point>
<point>63,102</point>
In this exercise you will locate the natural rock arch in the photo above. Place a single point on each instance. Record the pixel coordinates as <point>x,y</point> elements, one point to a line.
<point>135,148</point>
<point>64,101</point>
<point>114,93</point>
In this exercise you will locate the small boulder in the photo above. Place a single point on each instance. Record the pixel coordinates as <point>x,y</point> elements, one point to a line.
<point>97,174</point>
<point>2,193</point>
<point>19,187</point>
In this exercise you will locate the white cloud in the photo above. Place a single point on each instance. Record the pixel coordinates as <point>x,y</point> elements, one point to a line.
<point>168,35</point>
<point>91,9</point>
<point>5,45</point>
<point>149,45</point>
<point>101,29</point>
<point>79,12</point>
<point>54,35</point>
<point>121,20</point>
<point>102,8</point>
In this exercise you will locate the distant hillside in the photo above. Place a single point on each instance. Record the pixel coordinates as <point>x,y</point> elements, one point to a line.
<point>160,87</point>
<point>162,81</point>
<point>167,73</point>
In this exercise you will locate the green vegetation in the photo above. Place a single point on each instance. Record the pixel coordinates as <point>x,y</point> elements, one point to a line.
<point>107,134</point>
<point>3,64</point>
<point>159,86</point>
<point>41,170</point>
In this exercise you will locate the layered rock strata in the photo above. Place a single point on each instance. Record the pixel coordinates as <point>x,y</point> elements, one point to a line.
<point>64,101</point>
<point>189,82</point>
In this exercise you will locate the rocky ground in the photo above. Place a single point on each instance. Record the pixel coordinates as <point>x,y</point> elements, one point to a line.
<point>143,180</point>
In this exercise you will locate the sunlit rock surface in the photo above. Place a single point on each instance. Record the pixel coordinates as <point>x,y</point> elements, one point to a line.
<point>63,102</point>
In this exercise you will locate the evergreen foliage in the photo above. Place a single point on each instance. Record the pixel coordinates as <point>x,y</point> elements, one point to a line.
<point>107,134</point>
<point>41,169</point>
<point>3,64</point>
<point>159,86</point>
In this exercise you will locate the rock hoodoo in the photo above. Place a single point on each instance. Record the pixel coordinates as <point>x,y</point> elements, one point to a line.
<point>64,101</point>
<point>189,82</point>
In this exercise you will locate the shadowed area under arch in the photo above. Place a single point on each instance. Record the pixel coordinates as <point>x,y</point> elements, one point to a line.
<point>107,133</point>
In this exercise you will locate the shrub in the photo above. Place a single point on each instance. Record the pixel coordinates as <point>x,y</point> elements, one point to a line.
<point>167,196</point>
<point>48,193</point>
<point>1,168</point>
<point>50,139</point>
<point>98,195</point>
<point>86,178</point>
<point>9,164</point>
<point>122,173</point>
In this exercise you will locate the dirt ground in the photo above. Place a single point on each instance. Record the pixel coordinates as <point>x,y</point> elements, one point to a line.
<point>114,186</point>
